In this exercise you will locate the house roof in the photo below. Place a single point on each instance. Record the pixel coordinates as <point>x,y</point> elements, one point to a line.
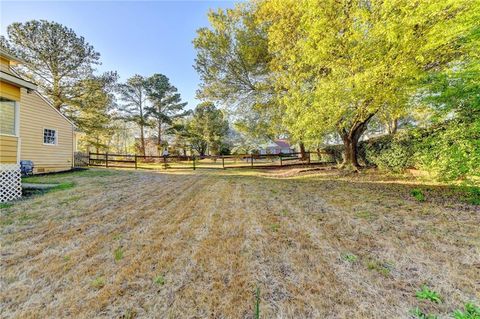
<point>282,143</point>
<point>8,56</point>
<point>41,96</point>
<point>17,81</point>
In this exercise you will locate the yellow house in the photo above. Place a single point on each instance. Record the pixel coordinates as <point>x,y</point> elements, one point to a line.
<point>30,129</point>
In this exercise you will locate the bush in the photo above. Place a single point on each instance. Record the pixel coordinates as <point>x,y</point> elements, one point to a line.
<point>451,151</point>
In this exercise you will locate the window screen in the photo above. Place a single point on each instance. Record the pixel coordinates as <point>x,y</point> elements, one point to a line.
<point>49,136</point>
<point>7,117</point>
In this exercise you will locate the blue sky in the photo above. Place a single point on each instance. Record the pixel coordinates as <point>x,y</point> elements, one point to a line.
<point>133,37</point>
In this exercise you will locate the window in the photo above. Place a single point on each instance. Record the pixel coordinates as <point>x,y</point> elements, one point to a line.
<point>7,117</point>
<point>49,136</point>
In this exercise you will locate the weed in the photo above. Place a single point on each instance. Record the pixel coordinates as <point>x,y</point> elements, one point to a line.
<point>419,314</point>
<point>6,222</point>
<point>159,280</point>
<point>471,312</point>
<point>426,294</point>
<point>284,212</point>
<point>473,195</point>
<point>274,227</point>
<point>5,205</point>
<point>118,254</point>
<point>117,237</point>
<point>382,268</point>
<point>66,258</point>
<point>418,194</point>
<point>257,303</point>
<point>349,257</point>
<point>98,283</point>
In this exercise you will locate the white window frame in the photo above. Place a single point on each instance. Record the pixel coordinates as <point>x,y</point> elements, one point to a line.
<point>56,136</point>
<point>16,110</point>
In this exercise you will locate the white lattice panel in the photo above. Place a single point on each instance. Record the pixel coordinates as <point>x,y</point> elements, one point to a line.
<point>10,182</point>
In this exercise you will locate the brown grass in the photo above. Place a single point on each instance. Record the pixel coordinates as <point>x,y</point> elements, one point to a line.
<point>215,236</point>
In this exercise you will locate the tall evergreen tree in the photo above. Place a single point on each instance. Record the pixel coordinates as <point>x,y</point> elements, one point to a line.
<point>165,104</point>
<point>133,93</point>
<point>55,57</point>
<point>208,128</point>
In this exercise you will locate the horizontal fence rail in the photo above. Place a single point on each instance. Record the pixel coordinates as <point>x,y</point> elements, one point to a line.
<point>207,161</point>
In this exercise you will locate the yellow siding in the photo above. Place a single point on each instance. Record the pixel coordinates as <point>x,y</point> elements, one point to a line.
<point>5,65</point>
<point>35,115</point>
<point>9,91</point>
<point>8,149</point>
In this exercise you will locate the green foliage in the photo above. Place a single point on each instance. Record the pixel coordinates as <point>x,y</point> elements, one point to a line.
<point>419,314</point>
<point>118,254</point>
<point>257,303</point>
<point>387,153</point>
<point>341,63</point>
<point>56,58</point>
<point>418,194</point>
<point>452,151</point>
<point>166,104</point>
<point>473,195</point>
<point>159,280</point>
<point>427,294</point>
<point>350,257</point>
<point>207,128</point>
<point>5,205</point>
<point>98,283</point>
<point>471,311</point>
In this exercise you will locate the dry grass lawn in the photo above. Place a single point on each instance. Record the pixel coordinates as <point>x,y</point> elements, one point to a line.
<point>126,244</point>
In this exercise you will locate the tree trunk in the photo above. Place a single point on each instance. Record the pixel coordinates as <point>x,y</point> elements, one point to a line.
<point>302,150</point>
<point>142,139</point>
<point>159,141</point>
<point>350,141</point>
<point>350,155</point>
<point>392,126</point>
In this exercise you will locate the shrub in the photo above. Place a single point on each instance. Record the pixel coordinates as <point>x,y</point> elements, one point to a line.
<point>426,294</point>
<point>471,312</point>
<point>418,194</point>
<point>389,153</point>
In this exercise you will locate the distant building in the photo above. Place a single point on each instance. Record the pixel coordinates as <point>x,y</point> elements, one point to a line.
<point>276,147</point>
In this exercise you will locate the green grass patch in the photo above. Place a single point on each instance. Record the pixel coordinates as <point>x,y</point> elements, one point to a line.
<point>275,227</point>
<point>98,283</point>
<point>417,313</point>
<point>351,258</point>
<point>427,294</point>
<point>418,194</point>
<point>118,254</point>
<point>470,311</point>
<point>5,205</point>
<point>159,280</point>
<point>383,268</point>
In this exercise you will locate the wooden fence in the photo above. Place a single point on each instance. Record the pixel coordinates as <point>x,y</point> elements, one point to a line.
<point>206,162</point>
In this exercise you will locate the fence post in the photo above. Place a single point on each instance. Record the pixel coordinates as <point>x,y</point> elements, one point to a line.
<point>136,161</point>
<point>281,163</point>
<point>193,161</point>
<point>106,159</point>
<point>164,162</point>
<point>89,159</point>
<point>308,158</point>
<point>223,162</point>
<point>251,159</point>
